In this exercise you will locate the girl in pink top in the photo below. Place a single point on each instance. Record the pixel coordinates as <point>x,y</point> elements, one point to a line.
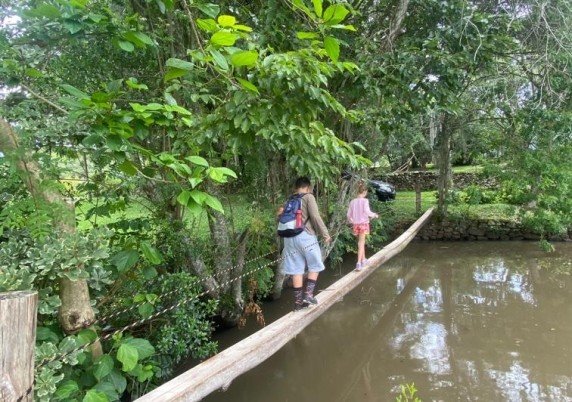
<point>358,215</point>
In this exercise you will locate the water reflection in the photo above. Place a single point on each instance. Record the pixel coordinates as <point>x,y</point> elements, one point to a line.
<point>485,321</point>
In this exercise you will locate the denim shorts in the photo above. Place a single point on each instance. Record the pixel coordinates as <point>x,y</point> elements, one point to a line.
<point>301,251</point>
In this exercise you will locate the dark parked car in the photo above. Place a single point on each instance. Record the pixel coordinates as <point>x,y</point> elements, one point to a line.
<point>384,191</point>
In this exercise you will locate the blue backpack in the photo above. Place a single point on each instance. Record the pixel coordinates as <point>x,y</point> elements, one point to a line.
<point>290,221</point>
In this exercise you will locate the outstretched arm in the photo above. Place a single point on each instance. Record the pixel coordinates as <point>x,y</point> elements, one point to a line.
<point>350,213</point>
<point>369,211</point>
<point>317,221</point>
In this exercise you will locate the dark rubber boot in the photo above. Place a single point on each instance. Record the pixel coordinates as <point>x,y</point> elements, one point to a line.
<point>299,299</point>
<point>309,293</point>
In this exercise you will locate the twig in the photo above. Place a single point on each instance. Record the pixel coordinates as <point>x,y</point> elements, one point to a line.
<point>46,100</point>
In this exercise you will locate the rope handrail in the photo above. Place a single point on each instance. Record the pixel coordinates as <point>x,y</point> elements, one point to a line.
<point>200,280</point>
<point>137,323</point>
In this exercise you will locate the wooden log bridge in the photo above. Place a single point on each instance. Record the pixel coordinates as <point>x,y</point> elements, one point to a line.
<point>220,370</point>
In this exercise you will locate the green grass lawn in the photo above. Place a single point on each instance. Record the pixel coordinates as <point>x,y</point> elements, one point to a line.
<point>245,212</point>
<point>131,211</point>
<point>242,211</point>
<point>404,205</point>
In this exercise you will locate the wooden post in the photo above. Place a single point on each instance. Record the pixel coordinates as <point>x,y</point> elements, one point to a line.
<point>417,197</point>
<point>18,312</point>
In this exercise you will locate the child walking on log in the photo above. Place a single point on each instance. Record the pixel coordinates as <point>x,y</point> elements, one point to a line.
<point>359,215</point>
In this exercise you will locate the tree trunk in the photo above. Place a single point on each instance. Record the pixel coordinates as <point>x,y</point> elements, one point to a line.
<point>224,271</point>
<point>395,25</point>
<point>75,310</point>
<point>444,164</point>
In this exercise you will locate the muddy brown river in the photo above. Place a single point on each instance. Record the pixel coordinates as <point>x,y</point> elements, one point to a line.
<point>483,321</point>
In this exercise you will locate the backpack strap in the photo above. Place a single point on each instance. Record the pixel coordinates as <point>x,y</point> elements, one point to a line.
<point>308,218</point>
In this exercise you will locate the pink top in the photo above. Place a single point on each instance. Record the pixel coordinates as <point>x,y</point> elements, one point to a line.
<point>359,211</point>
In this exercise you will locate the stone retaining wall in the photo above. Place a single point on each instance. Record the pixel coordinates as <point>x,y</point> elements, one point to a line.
<point>477,230</point>
<point>428,180</point>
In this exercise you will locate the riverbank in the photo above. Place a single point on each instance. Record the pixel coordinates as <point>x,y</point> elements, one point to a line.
<point>494,221</point>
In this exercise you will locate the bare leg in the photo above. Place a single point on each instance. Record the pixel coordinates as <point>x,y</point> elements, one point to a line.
<point>361,247</point>
<point>297,281</point>
<point>313,276</point>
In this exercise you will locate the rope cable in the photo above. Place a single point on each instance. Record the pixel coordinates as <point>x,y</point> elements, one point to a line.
<point>134,306</point>
<point>137,323</point>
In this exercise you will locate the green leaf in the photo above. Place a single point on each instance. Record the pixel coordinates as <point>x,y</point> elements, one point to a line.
<point>170,99</point>
<point>78,3</point>
<point>132,83</point>
<point>207,25</point>
<point>127,46</point>
<point>125,259</point>
<point>44,10</point>
<point>300,4</point>
<point>151,253</point>
<point>222,38</point>
<point>346,27</point>
<point>317,7</point>
<point>307,35</point>
<point>46,334</point>
<point>96,17</point>
<point>73,27</point>
<point>180,64</point>
<point>219,59</point>
<point>103,367</point>
<point>247,85</point>
<point>226,20</point>
<point>139,38</point>
<point>209,9</point>
<point>161,6</point>
<point>183,197</point>
<point>194,208</point>
<point>118,380</point>
<point>179,110</point>
<point>86,336</point>
<point>243,28</point>
<point>332,47</point>
<point>219,174</point>
<point>146,309</point>
<point>335,14</point>
<point>95,396</point>
<point>173,73</point>
<point>227,172</point>
<point>214,203</point>
<point>34,73</point>
<point>199,197</point>
<point>198,160</point>
<point>128,355</point>
<point>114,86</point>
<point>143,346</point>
<point>143,373</point>
<point>244,58</point>
<point>75,92</point>
<point>149,272</point>
<point>66,390</point>
<point>108,389</point>
<point>128,168</point>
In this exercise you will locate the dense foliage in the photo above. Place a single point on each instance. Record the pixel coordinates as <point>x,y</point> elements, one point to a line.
<point>145,146</point>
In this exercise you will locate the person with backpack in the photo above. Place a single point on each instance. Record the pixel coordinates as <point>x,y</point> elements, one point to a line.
<point>299,221</point>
